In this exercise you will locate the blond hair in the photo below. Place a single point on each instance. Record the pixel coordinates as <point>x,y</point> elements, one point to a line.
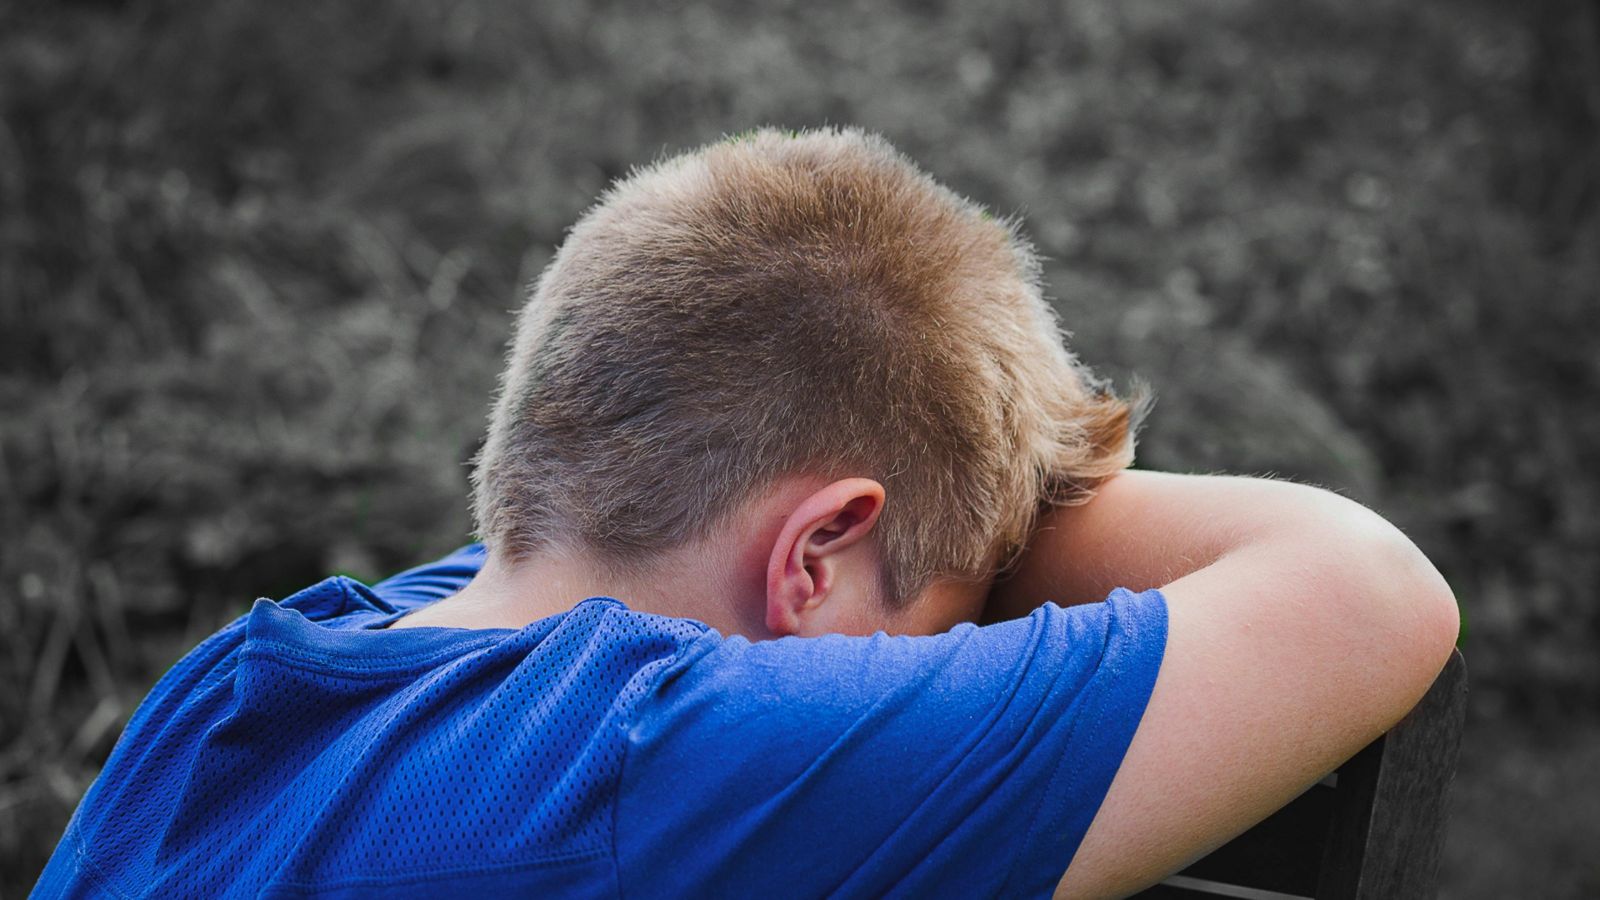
<point>782,303</point>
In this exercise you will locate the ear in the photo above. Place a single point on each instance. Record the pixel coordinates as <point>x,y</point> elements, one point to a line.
<point>802,570</point>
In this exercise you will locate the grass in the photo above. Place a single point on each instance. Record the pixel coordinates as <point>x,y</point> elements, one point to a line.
<point>256,263</point>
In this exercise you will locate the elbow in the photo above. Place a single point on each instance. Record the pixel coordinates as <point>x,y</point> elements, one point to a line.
<point>1420,618</point>
<point>1438,615</point>
<point>1425,595</point>
<point>1398,618</point>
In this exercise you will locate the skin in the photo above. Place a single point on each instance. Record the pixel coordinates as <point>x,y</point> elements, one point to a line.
<point>796,560</point>
<point>1300,627</point>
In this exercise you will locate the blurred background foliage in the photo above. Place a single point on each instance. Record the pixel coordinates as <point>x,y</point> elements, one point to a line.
<point>256,263</point>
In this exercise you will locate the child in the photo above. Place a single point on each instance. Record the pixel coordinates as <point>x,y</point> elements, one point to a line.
<point>775,418</point>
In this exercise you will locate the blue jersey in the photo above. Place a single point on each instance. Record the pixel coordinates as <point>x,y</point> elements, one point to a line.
<point>305,749</point>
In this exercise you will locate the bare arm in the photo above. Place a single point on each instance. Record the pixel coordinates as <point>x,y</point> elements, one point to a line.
<point>1300,626</point>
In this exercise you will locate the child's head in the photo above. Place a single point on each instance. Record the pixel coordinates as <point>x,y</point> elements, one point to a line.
<point>781,304</point>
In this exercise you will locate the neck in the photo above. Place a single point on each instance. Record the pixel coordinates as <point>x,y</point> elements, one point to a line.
<point>510,593</point>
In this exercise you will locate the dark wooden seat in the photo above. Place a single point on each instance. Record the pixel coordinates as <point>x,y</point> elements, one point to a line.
<point>1371,830</point>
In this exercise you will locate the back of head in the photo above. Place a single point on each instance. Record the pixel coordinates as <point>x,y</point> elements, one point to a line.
<point>781,304</point>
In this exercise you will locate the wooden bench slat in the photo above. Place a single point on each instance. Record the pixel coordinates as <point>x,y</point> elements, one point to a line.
<point>1388,832</point>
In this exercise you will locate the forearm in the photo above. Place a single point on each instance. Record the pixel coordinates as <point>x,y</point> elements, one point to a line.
<point>1147,529</point>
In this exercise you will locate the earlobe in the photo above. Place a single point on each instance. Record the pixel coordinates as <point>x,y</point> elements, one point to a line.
<point>801,568</point>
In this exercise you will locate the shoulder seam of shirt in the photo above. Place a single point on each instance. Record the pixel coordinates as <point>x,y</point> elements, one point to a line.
<point>92,869</point>
<point>627,725</point>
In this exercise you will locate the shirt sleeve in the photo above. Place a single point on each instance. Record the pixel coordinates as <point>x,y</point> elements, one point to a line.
<point>968,763</point>
<point>432,581</point>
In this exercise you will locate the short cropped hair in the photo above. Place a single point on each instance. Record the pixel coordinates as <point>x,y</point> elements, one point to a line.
<point>787,303</point>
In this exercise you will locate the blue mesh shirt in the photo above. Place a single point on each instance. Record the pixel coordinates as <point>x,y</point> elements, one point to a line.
<point>306,750</point>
